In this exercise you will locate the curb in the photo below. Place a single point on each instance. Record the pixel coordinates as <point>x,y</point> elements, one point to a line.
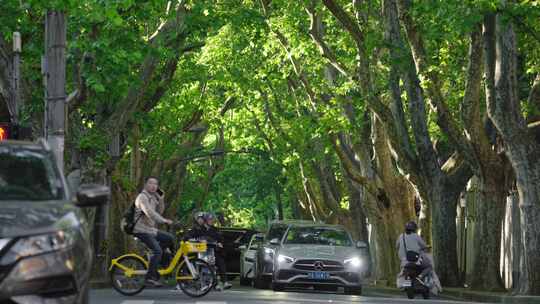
<point>479,296</point>
<point>464,295</point>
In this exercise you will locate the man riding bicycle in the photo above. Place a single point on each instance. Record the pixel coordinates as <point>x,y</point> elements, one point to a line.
<point>149,207</point>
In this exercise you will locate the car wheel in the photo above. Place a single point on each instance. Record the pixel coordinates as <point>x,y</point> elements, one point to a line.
<point>259,281</point>
<point>245,281</point>
<point>357,291</point>
<point>84,296</point>
<point>410,293</point>
<point>278,287</point>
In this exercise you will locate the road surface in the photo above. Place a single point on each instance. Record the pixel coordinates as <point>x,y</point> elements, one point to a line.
<point>248,295</point>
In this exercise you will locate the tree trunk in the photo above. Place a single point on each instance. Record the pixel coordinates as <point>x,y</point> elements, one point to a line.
<point>356,199</point>
<point>386,263</point>
<point>522,149</point>
<point>528,184</point>
<point>487,235</point>
<point>277,191</point>
<point>517,244</point>
<point>443,205</point>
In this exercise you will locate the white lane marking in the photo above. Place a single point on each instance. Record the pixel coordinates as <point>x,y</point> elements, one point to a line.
<point>138,302</point>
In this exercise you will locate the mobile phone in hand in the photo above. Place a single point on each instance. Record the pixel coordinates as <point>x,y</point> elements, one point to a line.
<point>160,192</point>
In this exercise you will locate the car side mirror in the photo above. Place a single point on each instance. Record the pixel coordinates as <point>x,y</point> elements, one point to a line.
<point>274,241</point>
<point>92,195</point>
<point>361,245</point>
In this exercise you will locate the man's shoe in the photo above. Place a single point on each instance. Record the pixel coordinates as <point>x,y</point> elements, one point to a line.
<point>227,285</point>
<point>219,286</point>
<point>152,283</point>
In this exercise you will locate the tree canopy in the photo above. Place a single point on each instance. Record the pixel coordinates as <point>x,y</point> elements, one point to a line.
<point>353,112</point>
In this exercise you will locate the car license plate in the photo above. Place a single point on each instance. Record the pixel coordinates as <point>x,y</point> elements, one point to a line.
<point>319,275</point>
<point>407,283</point>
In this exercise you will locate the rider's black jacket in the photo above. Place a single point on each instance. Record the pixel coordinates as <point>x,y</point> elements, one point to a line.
<point>196,232</point>
<point>214,234</point>
<point>209,233</point>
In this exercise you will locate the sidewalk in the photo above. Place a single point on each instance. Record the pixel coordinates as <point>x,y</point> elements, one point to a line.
<point>465,294</point>
<point>489,297</point>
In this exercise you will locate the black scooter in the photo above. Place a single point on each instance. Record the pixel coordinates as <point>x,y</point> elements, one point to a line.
<point>414,285</point>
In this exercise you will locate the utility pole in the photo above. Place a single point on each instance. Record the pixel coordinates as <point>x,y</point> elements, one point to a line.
<point>16,79</point>
<point>55,79</point>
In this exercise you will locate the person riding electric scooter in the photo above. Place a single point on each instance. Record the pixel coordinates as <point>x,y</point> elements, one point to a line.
<point>215,235</point>
<point>198,230</point>
<point>411,248</point>
<point>417,275</point>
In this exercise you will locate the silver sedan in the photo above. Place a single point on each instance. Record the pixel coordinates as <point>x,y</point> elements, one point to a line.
<point>322,256</point>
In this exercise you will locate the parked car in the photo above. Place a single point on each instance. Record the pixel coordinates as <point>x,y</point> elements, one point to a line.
<point>265,255</point>
<point>234,238</point>
<point>319,255</point>
<point>45,249</point>
<point>247,259</point>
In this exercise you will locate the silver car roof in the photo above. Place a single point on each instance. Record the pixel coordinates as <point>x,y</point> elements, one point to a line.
<point>304,223</point>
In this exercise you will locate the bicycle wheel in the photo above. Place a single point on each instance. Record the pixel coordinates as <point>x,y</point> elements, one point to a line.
<point>128,285</point>
<point>200,286</point>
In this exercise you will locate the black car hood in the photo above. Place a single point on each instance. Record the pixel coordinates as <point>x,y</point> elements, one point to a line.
<point>19,218</point>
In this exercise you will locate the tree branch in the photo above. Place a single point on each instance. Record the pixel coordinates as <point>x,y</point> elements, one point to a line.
<point>404,158</point>
<point>502,103</point>
<point>472,108</point>
<point>192,47</point>
<point>346,21</point>
<point>457,172</point>
<point>315,29</point>
<point>426,157</point>
<point>430,79</point>
<point>76,98</point>
<point>534,94</point>
<point>6,91</point>
<point>167,34</point>
<point>351,167</point>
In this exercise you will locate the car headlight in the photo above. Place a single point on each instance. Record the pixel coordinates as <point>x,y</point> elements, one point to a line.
<point>37,244</point>
<point>284,259</point>
<point>353,262</point>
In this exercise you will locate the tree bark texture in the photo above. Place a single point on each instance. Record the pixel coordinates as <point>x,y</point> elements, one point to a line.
<point>520,145</point>
<point>487,238</point>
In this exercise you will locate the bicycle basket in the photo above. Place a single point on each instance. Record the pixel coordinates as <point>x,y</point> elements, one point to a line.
<point>195,247</point>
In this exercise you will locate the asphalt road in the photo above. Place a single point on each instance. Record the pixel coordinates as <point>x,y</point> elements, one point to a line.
<point>252,296</point>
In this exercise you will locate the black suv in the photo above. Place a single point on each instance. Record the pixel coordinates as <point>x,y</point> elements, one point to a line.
<point>45,250</point>
<point>233,238</point>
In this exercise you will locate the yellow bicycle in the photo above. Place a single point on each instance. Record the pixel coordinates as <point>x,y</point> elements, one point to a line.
<point>194,276</point>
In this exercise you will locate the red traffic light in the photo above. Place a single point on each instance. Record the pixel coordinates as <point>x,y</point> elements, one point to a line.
<point>4,131</point>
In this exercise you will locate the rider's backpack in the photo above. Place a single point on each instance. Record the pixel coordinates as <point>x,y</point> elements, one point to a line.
<point>128,219</point>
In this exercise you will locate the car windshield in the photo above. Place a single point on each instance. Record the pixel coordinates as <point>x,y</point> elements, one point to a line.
<point>27,175</point>
<point>318,236</point>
